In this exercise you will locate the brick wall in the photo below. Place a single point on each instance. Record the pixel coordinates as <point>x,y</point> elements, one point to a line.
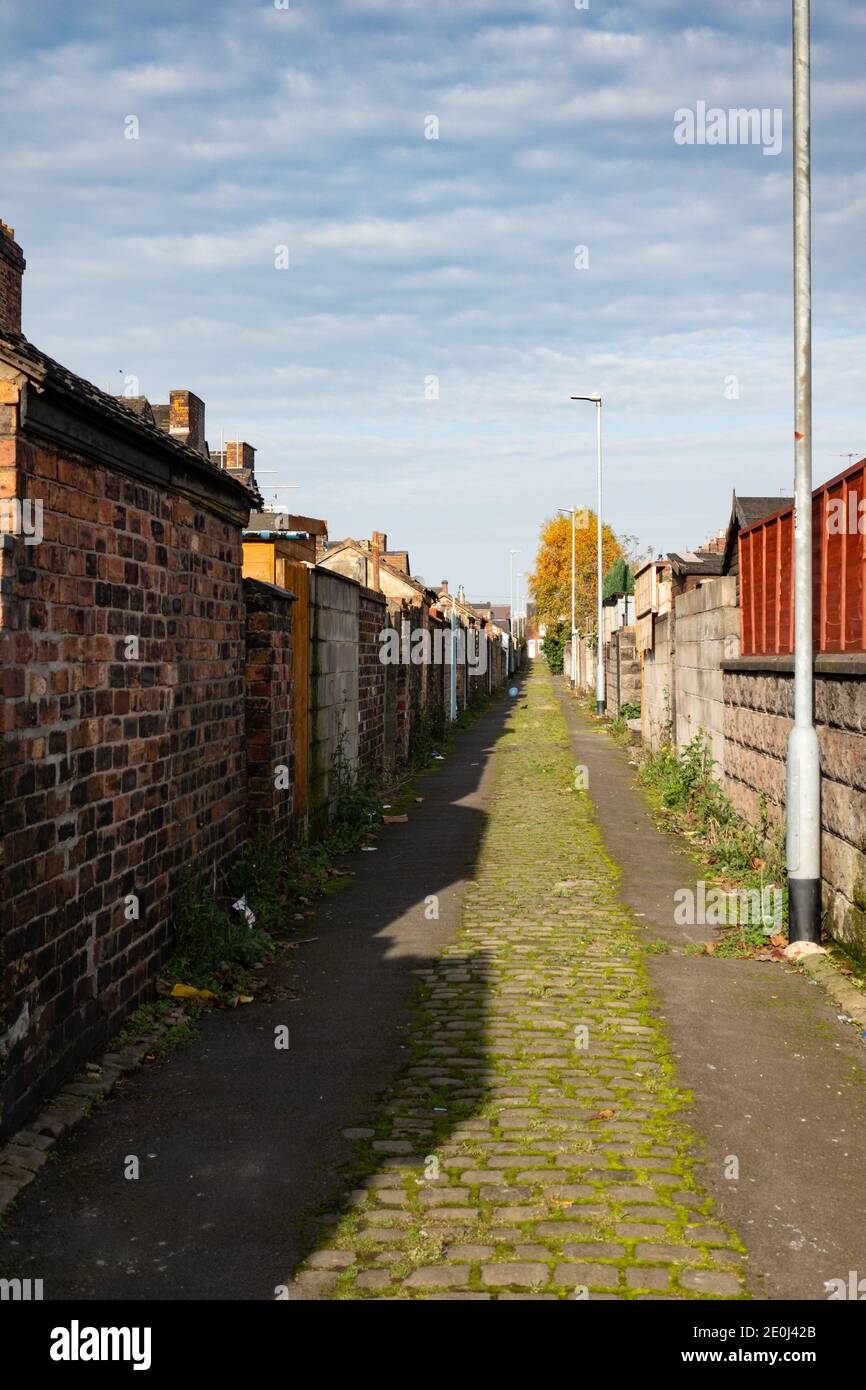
<point>11,271</point>
<point>122,753</point>
<point>371,685</point>
<point>758,714</point>
<point>268,706</point>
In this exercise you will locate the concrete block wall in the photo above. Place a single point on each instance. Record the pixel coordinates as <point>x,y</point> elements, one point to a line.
<point>334,683</point>
<point>758,714</point>
<point>707,633</point>
<point>622,671</point>
<point>657,709</point>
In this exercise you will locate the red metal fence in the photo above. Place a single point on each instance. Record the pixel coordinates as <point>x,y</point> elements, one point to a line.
<point>838,572</point>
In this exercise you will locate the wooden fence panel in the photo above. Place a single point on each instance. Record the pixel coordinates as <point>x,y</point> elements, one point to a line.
<point>838,573</point>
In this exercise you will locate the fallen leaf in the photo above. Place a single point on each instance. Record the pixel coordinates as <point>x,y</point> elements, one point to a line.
<point>709,947</point>
<point>603,1115</point>
<point>189,992</point>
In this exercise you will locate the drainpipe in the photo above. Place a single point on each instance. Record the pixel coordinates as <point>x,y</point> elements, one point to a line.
<point>804,766</point>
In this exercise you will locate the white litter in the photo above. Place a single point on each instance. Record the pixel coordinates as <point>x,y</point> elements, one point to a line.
<point>795,950</point>
<point>243,906</point>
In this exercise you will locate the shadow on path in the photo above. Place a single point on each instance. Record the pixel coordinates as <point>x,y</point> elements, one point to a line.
<point>238,1141</point>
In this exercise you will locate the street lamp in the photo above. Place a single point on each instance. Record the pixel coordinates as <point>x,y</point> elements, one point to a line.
<point>599,662</point>
<point>565,511</point>
<point>511,556</point>
<point>803,797</point>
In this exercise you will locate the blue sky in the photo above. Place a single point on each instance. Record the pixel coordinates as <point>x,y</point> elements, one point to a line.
<point>412,258</point>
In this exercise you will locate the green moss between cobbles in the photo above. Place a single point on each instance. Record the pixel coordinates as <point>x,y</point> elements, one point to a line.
<point>664,1127</point>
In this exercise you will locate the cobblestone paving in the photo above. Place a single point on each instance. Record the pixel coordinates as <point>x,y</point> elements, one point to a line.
<point>534,1148</point>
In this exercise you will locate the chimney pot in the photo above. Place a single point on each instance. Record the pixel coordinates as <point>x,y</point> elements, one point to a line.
<point>12,265</point>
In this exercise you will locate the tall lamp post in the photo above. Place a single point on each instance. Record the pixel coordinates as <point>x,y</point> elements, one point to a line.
<point>565,511</point>
<point>511,605</point>
<point>803,840</point>
<point>599,662</point>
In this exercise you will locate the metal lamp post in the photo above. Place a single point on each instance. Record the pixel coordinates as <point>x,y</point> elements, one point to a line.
<point>599,663</point>
<point>511,556</point>
<point>803,845</point>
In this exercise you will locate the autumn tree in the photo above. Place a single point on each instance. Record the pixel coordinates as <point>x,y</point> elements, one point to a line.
<point>550,582</point>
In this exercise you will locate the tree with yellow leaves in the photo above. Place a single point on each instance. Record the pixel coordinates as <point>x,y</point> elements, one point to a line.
<point>550,584</point>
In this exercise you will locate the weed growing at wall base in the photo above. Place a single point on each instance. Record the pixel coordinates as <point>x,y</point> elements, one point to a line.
<point>210,939</point>
<point>685,791</point>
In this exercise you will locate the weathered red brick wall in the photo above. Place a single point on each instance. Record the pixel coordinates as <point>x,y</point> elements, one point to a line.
<point>268,706</point>
<point>371,685</point>
<point>399,724</point>
<point>436,694</point>
<point>123,753</point>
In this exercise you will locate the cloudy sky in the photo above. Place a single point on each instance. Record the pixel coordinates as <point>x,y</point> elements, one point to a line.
<point>418,264</point>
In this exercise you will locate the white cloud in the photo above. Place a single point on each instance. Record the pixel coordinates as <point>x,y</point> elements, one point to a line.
<point>454,257</point>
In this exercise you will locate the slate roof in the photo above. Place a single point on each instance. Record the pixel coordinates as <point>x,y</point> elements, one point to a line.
<point>18,352</point>
<point>697,562</point>
<point>745,511</point>
<point>138,405</point>
<point>334,547</point>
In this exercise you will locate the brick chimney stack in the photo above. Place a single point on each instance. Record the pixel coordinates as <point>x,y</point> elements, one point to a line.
<point>378,543</point>
<point>186,419</point>
<point>12,265</point>
<point>240,455</point>
<point>443,587</point>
